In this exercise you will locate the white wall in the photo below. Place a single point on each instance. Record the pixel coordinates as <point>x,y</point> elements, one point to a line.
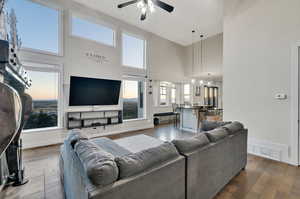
<point>212,55</point>
<point>167,60</point>
<point>162,55</point>
<point>258,35</point>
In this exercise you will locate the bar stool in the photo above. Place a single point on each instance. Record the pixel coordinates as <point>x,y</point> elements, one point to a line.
<point>176,114</point>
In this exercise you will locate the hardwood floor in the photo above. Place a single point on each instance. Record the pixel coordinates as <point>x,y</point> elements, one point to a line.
<point>262,178</point>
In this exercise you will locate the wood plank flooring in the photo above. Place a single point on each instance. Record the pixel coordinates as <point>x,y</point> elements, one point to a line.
<point>262,179</point>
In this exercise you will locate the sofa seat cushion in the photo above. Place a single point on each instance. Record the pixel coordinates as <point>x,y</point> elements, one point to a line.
<point>233,127</point>
<point>190,144</point>
<point>217,134</point>
<point>110,146</point>
<point>211,125</point>
<point>98,164</point>
<point>136,163</point>
<point>141,143</point>
<point>74,136</point>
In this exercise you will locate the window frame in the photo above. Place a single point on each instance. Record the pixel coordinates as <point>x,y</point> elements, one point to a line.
<point>49,67</point>
<point>184,94</point>
<point>163,85</point>
<point>131,78</point>
<point>60,32</point>
<point>137,36</point>
<point>96,22</point>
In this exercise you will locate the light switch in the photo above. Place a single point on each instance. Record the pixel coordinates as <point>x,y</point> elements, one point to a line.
<point>280,96</point>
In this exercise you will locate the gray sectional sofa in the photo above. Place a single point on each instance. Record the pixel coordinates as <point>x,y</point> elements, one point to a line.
<point>213,158</point>
<point>102,169</point>
<point>191,168</point>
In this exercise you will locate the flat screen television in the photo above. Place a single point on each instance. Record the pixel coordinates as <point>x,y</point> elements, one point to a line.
<point>93,92</point>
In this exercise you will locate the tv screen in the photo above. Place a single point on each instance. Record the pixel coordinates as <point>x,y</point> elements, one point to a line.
<point>92,92</point>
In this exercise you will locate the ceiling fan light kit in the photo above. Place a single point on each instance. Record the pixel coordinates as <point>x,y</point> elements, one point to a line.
<point>148,6</point>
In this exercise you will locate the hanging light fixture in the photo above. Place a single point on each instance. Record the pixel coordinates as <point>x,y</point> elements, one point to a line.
<point>209,82</point>
<point>201,48</point>
<point>193,55</point>
<point>201,57</point>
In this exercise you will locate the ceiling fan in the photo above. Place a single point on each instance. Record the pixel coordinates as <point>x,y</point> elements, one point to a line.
<point>146,5</point>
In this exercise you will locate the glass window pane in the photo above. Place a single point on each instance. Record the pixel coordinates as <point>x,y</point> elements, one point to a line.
<point>133,51</point>
<point>38,26</point>
<point>186,99</point>
<point>133,99</point>
<point>186,89</point>
<point>89,30</point>
<point>173,95</point>
<point>44,92</point>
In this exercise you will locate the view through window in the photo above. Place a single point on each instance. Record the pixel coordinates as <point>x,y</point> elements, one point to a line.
<point>133,99</point>
<point>86,29</point>
<point>38,25</point>
<point>44,92</point>
<point>187,93</point>
<point>173,94</point>
<point>163,93</point>
<point>133,51</point>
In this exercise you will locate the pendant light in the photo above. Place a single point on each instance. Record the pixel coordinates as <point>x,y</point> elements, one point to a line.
<point>201,56</point>
<point>193,55</point>
<point>201,47</point>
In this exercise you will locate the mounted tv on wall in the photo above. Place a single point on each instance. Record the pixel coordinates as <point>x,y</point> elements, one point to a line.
<point>93,92</point>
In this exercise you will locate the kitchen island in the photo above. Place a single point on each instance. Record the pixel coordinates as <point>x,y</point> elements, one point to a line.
<point>191,117</point>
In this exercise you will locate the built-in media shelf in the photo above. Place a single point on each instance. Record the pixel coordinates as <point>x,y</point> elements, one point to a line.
<point>90,119</point>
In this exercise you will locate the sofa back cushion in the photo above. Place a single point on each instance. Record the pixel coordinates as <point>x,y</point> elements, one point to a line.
<point>190,144</point>
<point>74,136</point>
<point>136,163</point>
<point>98,164</point>
<point>211,125</point>
<point>233,127</point>
<point>217,134</point>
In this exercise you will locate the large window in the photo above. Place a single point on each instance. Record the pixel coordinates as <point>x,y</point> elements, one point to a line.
<point>133,99</point>
<point>163,94</point>
<point>38,25</point>
<point>187,93</point>
<point>133,50</point>
<point>96,32</point>
<point>45,94</point>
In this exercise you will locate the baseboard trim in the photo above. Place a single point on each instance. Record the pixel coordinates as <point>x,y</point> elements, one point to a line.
<point>269,150</point>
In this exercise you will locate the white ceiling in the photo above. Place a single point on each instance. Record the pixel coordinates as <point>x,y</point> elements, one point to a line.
<point>204,16</point>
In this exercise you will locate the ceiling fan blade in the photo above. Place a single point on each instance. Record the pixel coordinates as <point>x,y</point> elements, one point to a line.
<point>122,5</point>
<point>163,5</point>
<point>143,17</point>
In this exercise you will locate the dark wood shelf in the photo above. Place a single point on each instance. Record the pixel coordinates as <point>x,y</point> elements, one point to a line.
<point>91,118</point>
<point>82,120</point>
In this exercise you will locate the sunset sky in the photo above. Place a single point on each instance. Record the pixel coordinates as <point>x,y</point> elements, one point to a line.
<point>130,89</point>
<point>41,91</point>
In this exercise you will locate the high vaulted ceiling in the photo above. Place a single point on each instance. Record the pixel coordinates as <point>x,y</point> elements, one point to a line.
<point>204,16</point>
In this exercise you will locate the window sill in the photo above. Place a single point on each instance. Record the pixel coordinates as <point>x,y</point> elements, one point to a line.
<point>41,130</point>
<point>42,52</point>
<point>92,40</point>
<point>163,106</point>
<point>135,120</point>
